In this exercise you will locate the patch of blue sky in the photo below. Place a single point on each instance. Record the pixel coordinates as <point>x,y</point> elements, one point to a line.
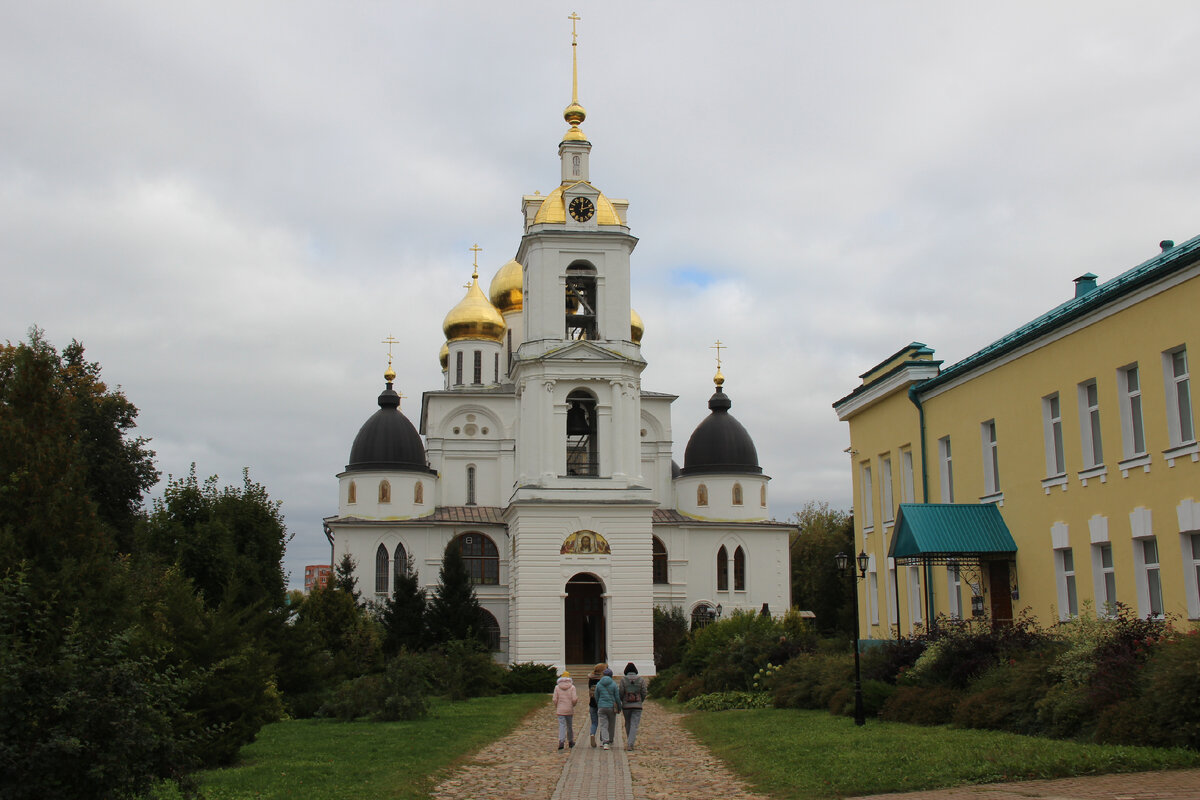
<point>694,276</point>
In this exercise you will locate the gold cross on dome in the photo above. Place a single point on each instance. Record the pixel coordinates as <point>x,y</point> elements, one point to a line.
<point>718,347</point>
<point>475,248</point>
<point>389,341</point>
<point>574,18</point>
<point>400,395</point>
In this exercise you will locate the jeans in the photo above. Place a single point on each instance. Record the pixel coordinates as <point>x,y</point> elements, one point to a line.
<point>566,732</point>
<point>594,721</point>
<point>633,717</point>
<point>608,725</point>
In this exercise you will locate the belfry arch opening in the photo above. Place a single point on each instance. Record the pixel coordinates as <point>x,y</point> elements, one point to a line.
<point>581,307</point>
<point>584,621</point>
<point>582,451</point>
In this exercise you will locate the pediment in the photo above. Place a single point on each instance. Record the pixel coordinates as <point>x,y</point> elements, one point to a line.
<point>583,351</point>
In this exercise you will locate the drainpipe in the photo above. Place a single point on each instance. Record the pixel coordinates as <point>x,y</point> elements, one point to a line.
<point>916,401</point>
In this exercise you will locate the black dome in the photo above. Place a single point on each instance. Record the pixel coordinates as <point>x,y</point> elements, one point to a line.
<point>388,440</point>
<point>720,443</point>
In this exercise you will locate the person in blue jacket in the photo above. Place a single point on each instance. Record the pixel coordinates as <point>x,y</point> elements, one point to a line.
<point>608,703</point>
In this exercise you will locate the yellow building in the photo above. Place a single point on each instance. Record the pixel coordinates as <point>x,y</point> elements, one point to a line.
<point>1054,471</point>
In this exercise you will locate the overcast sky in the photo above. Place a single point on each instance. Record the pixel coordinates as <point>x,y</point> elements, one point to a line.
<point>231,204</point>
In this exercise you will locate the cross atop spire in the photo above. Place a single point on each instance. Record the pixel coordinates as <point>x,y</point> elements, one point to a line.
<point>574,113</point>
<point>718,379</point>
<point>475,249</point>
<point>390,375</point>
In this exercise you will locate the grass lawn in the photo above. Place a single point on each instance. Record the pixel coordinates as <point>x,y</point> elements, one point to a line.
<point>327,760</point>
<point>812,754</point>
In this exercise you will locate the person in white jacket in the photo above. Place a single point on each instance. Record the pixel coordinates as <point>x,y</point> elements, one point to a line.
<point>565,698</point>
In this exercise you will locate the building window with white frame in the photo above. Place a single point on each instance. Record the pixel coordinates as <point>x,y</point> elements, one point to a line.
<point>1146,550</point>
<point>991,458</point>
<point>1178,397</point>
<point>471,484</point>
<point>1068,598</point>
<point>906,477</point>
<point>873,597</point>
<point>868,507</point>
<point>885,475</point>
<point>1052,429</point>
<point>1106,583</point>
<point>1089,424</point>
<point>1195,548</point>
<point>954,585</point>
<point>1132,434</point>
<point>893,602</point>
<point>946,469</point>
<point>914,595</point>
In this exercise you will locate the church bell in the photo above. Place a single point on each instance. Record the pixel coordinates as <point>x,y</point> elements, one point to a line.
<point>577,421</point>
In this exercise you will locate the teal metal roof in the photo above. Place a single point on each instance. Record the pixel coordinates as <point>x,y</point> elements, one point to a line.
<point>1170,260</point>
<point>945,530</point>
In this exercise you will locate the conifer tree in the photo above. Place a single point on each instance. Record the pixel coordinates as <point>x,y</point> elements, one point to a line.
<point>455,612</point>
<point>403,615</point>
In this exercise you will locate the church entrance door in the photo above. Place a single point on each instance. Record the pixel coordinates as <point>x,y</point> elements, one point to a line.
<point>584,620</point>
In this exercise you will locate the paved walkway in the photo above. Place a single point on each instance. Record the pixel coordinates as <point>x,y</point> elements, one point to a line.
<point>669,764</point>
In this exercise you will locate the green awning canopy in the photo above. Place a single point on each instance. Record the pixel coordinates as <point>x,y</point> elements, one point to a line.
<point>949,531</point>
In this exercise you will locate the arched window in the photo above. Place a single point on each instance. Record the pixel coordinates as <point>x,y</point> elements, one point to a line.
<point>381,570</point>
<point>739,570</point>
<point>482,557</point>
<point>762,495</point>
<point>489,629</point>
<point>702,495</point>
<point>352,493</point>
<point>722,570</point>
<point>659,556</point>
<point>737,494</point>
<point>399,561</point>
<point>419,493</point>
<point>470,484</point>
<point>702,615</point>
<point>581,301</point>
<point>385,492</point>
<point>582,457</point>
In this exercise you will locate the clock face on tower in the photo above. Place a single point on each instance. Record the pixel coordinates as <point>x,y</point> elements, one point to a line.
<point>581,209</point>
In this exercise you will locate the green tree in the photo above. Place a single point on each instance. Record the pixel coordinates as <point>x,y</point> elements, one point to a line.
<point>454,612</point>
<point>403,614</point>
<point>229,542</point>
<point>343,577</point>
<point>817,586</point>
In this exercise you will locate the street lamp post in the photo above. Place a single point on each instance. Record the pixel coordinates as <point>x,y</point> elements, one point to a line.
<point>843,562</point>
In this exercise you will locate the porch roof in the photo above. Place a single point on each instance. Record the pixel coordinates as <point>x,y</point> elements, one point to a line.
<point>949,531</point>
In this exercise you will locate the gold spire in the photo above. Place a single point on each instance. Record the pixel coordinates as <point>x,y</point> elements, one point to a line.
<point>574,113</point>
<point>390,375</point>
<point>718,379</point>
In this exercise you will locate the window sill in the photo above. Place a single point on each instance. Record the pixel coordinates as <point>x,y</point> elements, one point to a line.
<point>1133,462</point>
<point>995,497</point>
<point>1099,471</point>
<point>1055,480</point>
<point>1186,449</point>
<point>868,530</point>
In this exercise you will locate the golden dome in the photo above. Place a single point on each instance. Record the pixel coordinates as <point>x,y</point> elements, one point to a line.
<point>474,317</point>
<point>444,356</point>
<point>636,326</point>
<point>574,114</point>
<point>554,209</point>
<point>506,292</point>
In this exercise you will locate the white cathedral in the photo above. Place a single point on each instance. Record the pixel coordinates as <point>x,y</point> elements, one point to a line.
<point>551,466</point>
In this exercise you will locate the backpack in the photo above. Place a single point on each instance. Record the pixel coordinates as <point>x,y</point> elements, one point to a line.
<point>633,691</point>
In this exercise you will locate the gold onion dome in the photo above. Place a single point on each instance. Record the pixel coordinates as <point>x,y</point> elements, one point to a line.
<point>444,356</point>
<point>636,326</point>
<point>554,209</point>
<point>474,317</point>
<point>507,287</point>
<point>390,375</point>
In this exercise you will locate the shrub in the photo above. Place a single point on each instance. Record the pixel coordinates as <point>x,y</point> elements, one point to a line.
<point>666,682</point>
<point>811,681</point>
<point>893,658</point>
<point>529,678</point>
<point>1167,713</point>
<point>919,705</point>
<point>670,635</point>
<point>959,652</point>
<point>688,688</point>
<point>874,695</point>
<point>400,693</point>
<point>725,701</point>
<point>464,668</point>
<point>1007,696</point>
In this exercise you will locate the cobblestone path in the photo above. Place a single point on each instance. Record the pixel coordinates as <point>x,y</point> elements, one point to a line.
<point>670,764</point>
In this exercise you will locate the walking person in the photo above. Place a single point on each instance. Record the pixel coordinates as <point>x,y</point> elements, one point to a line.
<point>565,698</point>
<point>633,691</point>
<point>608,703</point>
<point>593,679</point>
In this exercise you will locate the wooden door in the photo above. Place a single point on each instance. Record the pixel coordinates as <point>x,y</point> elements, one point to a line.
<point>1000,592</point>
